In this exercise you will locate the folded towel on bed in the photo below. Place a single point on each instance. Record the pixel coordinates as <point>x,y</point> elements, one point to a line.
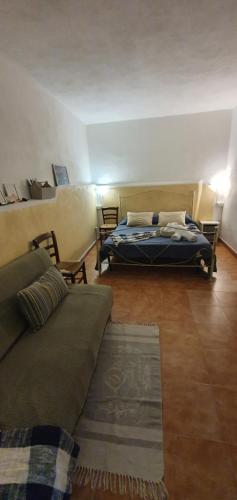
<point>167,232</point>
<point>183,234</point>
<point>178,232</point>
<point>176,237</point>
<point>188,227</point>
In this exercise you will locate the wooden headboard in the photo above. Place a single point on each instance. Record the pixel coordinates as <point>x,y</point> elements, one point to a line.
<point>157,201</point>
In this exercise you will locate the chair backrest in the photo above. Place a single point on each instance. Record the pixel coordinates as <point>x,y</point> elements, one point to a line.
<point>48,241</point>
<point>110,214</point>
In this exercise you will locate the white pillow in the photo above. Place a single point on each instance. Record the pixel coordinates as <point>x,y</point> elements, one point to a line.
<point>139,218</point>
<point>176,217</point>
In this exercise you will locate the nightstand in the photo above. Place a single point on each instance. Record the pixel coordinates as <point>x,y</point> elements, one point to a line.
<point>210,228</point>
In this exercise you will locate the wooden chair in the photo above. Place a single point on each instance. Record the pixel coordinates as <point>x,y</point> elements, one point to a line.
<point>110,221</point>
<point>69,269</point>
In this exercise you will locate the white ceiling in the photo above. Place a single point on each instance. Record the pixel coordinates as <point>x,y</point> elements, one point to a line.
<point>112,60</point>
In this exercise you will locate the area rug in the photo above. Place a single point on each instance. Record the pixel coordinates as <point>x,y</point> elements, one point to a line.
<point>120,431</point>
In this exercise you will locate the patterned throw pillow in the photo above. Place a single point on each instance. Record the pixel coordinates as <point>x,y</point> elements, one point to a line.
<point>39,300</point>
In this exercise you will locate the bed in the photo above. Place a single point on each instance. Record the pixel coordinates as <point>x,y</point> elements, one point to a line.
<point>158,251</point>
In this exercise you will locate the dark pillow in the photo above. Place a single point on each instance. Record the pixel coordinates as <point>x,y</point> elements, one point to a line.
<point>123,222</point>
<point>188,219</point>
<point>38,301</point>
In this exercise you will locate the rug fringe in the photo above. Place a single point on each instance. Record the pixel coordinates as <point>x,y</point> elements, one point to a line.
<point>133,324</point>
<point>121,483</point>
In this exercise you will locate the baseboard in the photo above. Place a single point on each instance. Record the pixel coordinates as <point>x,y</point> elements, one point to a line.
<point>83,256</point>
<point>232,250</point>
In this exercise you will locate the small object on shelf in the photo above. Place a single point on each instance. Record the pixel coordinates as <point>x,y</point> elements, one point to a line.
<point>60,175</point>
<point>3,200</point>
<point>210,229</point>
<point>11,193</point>
<point>30,181</point>
<point>41,190</point>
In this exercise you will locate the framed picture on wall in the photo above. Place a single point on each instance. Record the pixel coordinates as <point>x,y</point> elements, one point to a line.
<point>60,175</point>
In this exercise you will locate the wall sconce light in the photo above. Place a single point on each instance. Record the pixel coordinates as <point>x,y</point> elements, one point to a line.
<point>221,185</point>
<point>100,192</point>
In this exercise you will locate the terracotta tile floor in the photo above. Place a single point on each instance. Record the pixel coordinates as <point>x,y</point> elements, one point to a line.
<point>198,334</point>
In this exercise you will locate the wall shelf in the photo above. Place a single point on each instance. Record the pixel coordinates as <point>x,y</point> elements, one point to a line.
<point>24,204</point>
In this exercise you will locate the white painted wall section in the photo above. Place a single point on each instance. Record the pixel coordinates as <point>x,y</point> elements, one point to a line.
<point>36,130</point>
<point>175,149</point>
<point>229,218</point>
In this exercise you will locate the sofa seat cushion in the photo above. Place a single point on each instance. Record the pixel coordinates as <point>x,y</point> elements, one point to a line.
<point>45,377</point>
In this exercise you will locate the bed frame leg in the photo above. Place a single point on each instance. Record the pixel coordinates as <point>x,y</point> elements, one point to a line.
<point>213,259</point>
<point>109,262</point>
<point>211,267</point>
<point>98,251</point>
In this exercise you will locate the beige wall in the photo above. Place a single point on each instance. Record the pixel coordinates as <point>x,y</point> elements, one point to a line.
<point>71,214</point>
<point>204,198</point>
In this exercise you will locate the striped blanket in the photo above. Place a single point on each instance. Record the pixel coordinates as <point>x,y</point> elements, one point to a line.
<point>131,238</point>
<point>173,231</point>
<point>37,463</point>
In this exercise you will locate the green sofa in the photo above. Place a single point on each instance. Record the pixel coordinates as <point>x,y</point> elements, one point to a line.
<point>44,376</point>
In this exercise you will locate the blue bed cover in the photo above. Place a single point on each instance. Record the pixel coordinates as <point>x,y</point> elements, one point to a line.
<point>158,249</point>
